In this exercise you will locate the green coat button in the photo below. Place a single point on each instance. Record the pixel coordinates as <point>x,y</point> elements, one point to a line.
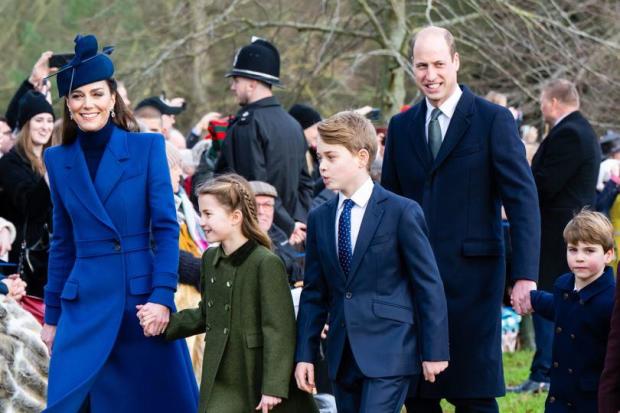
<point>227,307</point>
<point>210,304</point>
<point>225,331</point>
<point>228,284</point>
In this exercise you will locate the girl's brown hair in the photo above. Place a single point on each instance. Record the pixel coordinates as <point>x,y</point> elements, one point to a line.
<point>24,146</point>
<point>123,118</point>
<point>234,192</point>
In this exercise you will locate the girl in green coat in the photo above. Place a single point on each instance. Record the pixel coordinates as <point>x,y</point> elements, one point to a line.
<point>246,310</point>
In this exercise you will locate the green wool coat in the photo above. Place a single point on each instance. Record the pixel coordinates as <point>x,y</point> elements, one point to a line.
<point>247,314</point>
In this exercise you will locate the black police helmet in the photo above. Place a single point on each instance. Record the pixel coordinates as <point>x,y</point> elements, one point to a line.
<point>259,60</point>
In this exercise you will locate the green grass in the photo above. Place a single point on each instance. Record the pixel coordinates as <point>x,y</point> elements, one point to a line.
<point>516,369</point>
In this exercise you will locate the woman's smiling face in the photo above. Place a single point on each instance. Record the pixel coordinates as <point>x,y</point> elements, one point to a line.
<point>91,104</point>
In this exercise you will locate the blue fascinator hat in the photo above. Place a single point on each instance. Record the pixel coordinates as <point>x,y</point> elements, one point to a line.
<point>87,66</point>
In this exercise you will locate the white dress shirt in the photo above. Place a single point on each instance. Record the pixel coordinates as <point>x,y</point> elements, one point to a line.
<point>360,200</point>
<point>447,109</point>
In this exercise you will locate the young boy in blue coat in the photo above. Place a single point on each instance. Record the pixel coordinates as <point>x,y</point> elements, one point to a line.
<point>370,266</point>
<point>581,307</point>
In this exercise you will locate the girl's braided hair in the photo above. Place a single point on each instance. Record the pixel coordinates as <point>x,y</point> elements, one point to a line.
<point>234,192</point>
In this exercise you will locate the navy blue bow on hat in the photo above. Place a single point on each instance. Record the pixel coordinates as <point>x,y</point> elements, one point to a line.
<point>86,67</point>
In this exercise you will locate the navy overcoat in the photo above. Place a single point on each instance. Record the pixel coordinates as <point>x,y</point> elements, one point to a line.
<point>480,166</point>
<point>581,321</point>
<point>114,245</point>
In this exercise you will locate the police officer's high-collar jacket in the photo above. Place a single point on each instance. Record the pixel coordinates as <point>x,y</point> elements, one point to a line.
<point>265,143</point>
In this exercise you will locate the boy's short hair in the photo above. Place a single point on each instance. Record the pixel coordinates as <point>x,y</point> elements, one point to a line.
<point>351,130</point>
<point>590,227</point>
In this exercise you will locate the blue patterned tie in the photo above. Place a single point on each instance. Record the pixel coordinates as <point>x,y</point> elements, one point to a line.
<point>345,251</point>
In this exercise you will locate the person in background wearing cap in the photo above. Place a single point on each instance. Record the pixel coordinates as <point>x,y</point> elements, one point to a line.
<point>167,109</point>
<point>309,118</point>
<point>266,196</point>
<point>149,119</point>
<point>263,142</point>
<point>27,202</point>
<point>114,251</point>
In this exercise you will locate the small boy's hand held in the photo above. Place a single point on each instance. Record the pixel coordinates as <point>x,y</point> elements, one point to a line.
<point>432,369</point>
<point>520,297</point>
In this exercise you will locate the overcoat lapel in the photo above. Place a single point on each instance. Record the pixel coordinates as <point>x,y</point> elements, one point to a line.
<point>418,136</point>
<point>78,179</point>
<point>458,126</point>
<point>112,165</point>
<point>329,229</point>
<point>370,222</point>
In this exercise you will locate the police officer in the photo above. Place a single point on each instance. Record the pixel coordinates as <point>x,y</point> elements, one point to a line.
<point>263,142</point>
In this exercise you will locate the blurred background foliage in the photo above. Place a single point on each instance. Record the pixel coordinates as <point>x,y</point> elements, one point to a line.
<point>336,54</point>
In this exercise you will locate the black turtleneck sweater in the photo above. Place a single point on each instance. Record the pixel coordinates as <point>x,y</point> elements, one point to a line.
<point>93,145</point>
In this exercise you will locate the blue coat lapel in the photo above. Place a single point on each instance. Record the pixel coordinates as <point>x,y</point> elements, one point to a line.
<point>370,222</point>
<point>416,126</point>
<point>329,229</point>
<point>458,126</point>
<point>112,164</point>
<point>78,179</point>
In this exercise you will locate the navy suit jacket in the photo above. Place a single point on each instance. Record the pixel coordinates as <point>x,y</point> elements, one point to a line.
<point>480,166</point>
<point>392,306</point>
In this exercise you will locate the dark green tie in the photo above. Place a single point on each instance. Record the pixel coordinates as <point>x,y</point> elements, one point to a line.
<point>434,133</point>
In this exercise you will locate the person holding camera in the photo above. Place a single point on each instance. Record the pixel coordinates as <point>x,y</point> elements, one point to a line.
<point>27,203</point>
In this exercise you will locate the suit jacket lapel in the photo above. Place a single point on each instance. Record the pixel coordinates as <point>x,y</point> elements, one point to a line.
<point>370,222</point>
<point>78,179</point>
<point>112,164</point>
<point>420,144</point>
<point>329,230</point>
<point>458,126</point>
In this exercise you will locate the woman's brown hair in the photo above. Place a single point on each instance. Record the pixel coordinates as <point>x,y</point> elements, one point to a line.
<point>24,146</point>
<point>234,192</point>
<point>123,117</point>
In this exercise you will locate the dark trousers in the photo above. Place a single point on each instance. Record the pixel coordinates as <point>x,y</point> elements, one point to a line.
<point>356,393</point>
<point>418,405</point>
<point>543,335</point>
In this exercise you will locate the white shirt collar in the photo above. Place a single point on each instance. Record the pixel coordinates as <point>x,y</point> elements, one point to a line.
<point>448,107</point>
<point>361,196</point>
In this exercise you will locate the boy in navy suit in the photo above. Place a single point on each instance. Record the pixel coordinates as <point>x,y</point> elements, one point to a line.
<point>581,307</point>
<point>369,265</point>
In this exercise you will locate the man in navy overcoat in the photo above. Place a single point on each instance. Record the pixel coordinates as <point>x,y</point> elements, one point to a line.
<point>461,158</point>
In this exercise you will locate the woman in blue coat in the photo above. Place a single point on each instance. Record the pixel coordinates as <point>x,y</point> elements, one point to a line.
<point>114,246</point>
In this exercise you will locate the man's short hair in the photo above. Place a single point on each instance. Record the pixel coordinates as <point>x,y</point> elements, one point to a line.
<point>590,227</point>
<point>563,90</point>
<point>147,112</point>
<point>447,36</point>
<point>351,130</point>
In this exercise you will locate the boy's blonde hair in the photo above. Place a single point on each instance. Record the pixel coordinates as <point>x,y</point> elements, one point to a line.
<point>590,227</point>
<point>351,130</point>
